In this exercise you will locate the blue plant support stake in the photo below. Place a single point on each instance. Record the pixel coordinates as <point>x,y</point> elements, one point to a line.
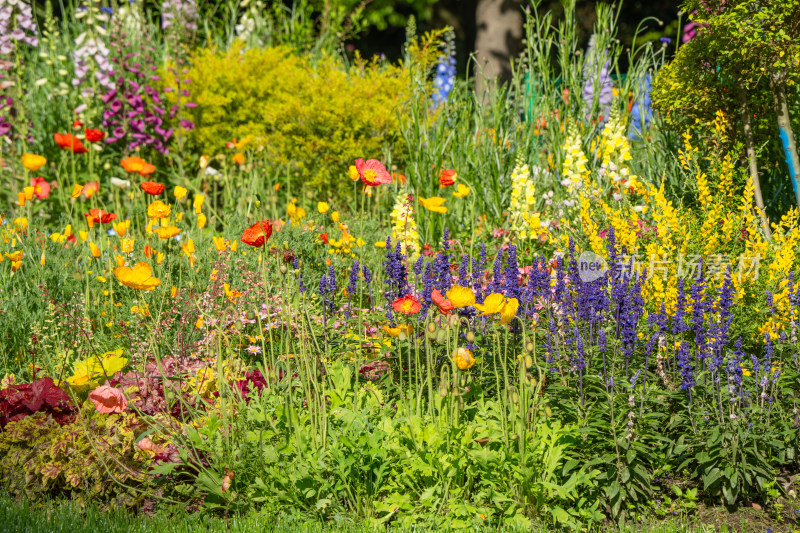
<point>792,170</point>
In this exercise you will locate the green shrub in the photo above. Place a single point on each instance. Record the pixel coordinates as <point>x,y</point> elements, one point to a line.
<point>316,117</point>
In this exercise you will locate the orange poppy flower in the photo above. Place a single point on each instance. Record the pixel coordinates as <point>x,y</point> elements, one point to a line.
<point>98,216</point>
<point>151,187</point>
<point>257,234</point>
<point>94,136</point>
<point>447,177</point>
<point>137,165</point>
<point>406,305</point>
<point>68,141</point>
<point>444,305</point>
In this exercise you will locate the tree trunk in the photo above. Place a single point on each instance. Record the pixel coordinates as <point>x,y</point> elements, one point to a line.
<point>785,130</point>
<point>753,161</point>
<point>499,38</point>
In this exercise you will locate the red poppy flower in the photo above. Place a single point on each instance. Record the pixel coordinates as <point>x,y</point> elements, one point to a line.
<point>372,172</point>
<point>41,188</point>
<point>94,136</point>
<point>151,187</point>
<point>257,234</point>
<point>98,216</point>
<point>444,305</point>
<point>77,125</point>
<point>447,177</point>
<point>407,305</point>
<point>68,141</point>
<point>324,237</point>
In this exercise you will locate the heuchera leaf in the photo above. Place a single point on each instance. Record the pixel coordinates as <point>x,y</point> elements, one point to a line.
<point>20,401</point>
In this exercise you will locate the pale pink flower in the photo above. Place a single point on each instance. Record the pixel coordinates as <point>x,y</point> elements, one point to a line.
<point>108,400</point>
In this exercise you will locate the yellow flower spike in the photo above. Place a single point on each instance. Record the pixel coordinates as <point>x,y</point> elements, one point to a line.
<point>461,296</point>
<point>159,258</point>
<point>139,277</point>
<point>119,260</point>
<point>33,162</point>
<point>94,250</point>
<point>461,191</point>
<point>83,235</point>
<point>335,216</point>
<point>434,204</point>
<point>77,190</point>
<point>29,192</point>
<point>21,199</point>
<point>201,221</point>
<point>15,256</point>
<point>197,203</point>
<point>322,207</point>
<point>179,192</point>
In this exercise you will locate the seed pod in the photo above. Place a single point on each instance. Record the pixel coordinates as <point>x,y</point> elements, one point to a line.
<point>441,336</point>
<point>548,411</point>
<point>528,361</point>
<point>529,347</point>
<point>284,270</point>
<point>431,327</point>
<point>443,391</point>
<point>531,380</point>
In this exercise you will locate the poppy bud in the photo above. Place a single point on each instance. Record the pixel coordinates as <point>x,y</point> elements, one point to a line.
<point>470,337</point>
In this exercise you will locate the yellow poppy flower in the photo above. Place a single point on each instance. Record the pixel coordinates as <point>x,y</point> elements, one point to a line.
<point>168,232</point>
<point>138,277</point>
<point>435,204</point>
<point>179,192</point>
<point>323,207</point>
<point>461,191</point>
<point>158,209</point>
<point>33,162</point>
<point>464,359</point>
<point>461,296</point>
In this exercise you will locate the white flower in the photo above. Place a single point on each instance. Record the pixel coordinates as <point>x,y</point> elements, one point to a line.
<point>122,184</point>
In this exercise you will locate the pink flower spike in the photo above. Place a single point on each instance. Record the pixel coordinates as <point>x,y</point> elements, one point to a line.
<point>372,172</point>
<point>108,400</point>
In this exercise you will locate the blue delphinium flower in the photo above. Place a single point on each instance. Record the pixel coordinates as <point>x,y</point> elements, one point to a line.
<point>463,272</point>
<point>497,273</point>
<point>296,265</point>
<point>444,81</point>
<point>642,110</point>
<point>511,282</point>
<point>597,84</point>
<point>478,274</point>
<point>428,286</point>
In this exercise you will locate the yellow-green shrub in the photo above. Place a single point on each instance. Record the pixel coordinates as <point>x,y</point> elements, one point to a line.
<point>315,115</point>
